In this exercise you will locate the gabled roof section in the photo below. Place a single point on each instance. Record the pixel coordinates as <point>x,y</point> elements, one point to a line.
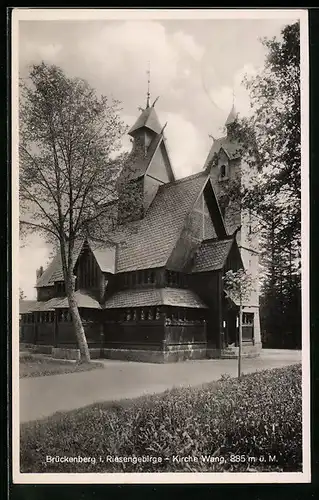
<point>147,119</point>
<point>150,242</point>
<point>148,297</point>
<point>54,270</point>
<point>161,149</point>
<point>212,255</point>
<point>231,147</point>
<point>105,255</point>
<point>140,167</point>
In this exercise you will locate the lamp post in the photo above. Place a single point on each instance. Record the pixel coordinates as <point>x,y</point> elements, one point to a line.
<point>240,337</point>
<point>238,285</point>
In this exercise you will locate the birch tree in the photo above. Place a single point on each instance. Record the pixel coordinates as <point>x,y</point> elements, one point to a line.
<point>67,139</point>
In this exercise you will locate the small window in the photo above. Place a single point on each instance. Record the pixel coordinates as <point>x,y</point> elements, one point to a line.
<point>223,171</point>
<point>133,278</point>
<point>248,318</point>
<point>152,277</point>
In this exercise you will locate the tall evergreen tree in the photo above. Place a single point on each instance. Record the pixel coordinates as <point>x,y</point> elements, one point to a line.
<point>271,149</point>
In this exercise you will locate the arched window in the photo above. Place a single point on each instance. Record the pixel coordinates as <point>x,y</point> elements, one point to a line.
<point>128,315</point>
<point>223,171</point>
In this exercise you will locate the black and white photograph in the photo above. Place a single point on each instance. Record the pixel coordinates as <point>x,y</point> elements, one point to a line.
<point>160,304</point>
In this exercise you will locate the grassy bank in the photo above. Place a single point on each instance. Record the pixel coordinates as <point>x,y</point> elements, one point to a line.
<point>37,366</point>
<point>231,425</point>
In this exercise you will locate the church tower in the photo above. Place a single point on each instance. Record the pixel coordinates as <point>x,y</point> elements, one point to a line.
<point>147,166</point>
<point>228,171</point>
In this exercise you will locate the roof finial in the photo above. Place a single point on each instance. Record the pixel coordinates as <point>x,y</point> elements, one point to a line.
<point>148,95</point>
<point>163,128</point>
<point>157,98</point>
<point>233,97</point>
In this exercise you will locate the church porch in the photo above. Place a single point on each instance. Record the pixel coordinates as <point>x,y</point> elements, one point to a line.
<point>155,325</point>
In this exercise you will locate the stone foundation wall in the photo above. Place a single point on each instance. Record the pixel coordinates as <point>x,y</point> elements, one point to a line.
<point>213,353</point>
<point>171,355</point>
<point>248,351</point>
<point>144,356</point>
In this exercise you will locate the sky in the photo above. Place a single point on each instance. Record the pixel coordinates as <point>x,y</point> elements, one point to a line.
<point>196,69</point>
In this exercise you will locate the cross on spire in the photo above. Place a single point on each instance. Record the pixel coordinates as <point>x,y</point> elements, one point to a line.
<point>148,95</point>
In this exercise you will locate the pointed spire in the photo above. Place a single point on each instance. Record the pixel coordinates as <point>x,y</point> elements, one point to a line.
<point>148,95</point>
<point>232,117</point>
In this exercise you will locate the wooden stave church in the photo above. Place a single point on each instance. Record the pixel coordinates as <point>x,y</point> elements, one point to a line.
<point>155,294</point>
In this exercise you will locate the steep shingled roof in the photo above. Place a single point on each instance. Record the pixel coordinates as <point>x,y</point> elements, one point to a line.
<point>147,297</point>
<point>148,243</point>
<point>148,119</point>
<point>212,255</point>
<point>151,242</point>
<point>83,298</point>
<point>26,305</point>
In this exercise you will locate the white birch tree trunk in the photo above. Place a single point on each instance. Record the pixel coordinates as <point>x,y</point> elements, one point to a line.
<point>77,323</point>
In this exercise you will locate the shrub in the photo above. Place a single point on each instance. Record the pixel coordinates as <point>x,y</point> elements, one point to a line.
<point>230,421</point>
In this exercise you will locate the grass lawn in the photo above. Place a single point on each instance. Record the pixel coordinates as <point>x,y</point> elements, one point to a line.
<point>252,424</point>
<point>31,366</point>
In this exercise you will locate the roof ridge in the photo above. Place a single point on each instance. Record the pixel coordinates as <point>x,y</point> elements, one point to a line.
<point>226,238</point>
<point>184,179</point>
